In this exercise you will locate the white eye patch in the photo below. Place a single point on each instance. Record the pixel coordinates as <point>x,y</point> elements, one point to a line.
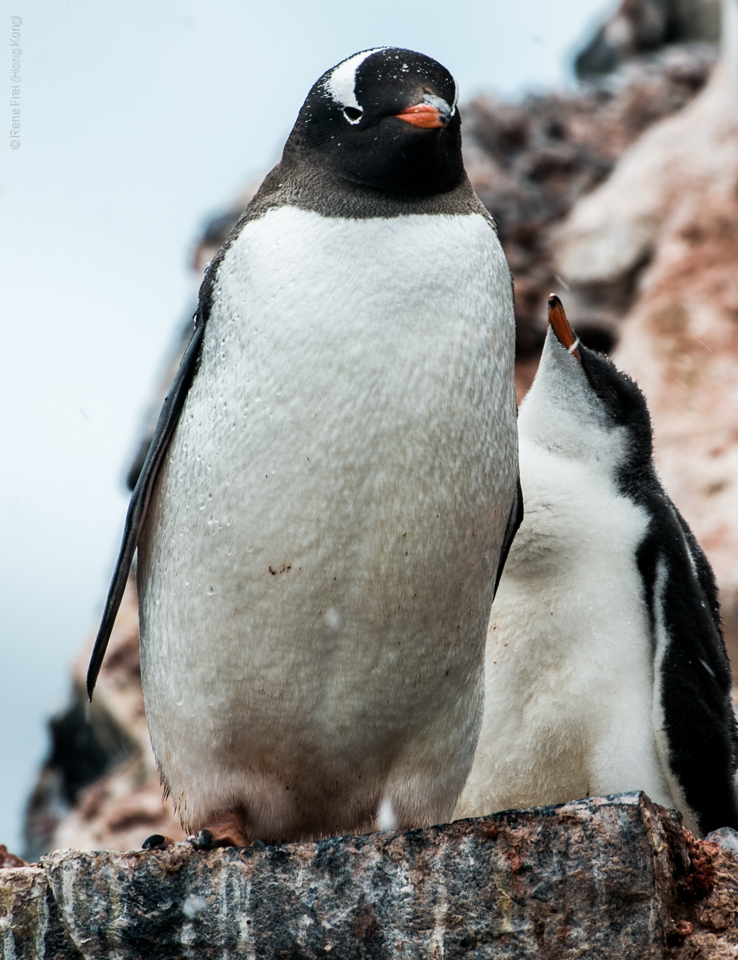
<point>341,83</point>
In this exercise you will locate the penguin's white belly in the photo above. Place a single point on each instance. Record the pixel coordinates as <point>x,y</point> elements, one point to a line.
<point>317,565</point>
<point>569,708</point>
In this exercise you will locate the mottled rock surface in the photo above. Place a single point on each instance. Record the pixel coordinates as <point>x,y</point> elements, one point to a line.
<point>614,231</point>
<point>602,878</point>
<point>9,860</point>
<point>532,161</point>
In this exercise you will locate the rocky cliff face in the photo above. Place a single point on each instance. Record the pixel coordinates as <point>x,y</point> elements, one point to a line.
<point>612,878</point>
<point>532,162</point>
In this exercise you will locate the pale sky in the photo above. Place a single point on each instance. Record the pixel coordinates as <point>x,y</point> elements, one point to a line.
<point>137,122</point>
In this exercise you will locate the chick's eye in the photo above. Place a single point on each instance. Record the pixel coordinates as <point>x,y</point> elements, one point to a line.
<point>352,114</point>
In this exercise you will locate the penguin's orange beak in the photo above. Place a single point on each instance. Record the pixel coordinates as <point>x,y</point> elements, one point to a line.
<point>431,113</point>
<point>422,115</point>
<point>562,329</point>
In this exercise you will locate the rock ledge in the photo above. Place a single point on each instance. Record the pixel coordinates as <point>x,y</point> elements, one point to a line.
<point>606,877</point>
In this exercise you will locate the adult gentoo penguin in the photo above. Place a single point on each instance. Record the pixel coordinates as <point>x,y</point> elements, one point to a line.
<point>327,502</point>
<point>606,669</point>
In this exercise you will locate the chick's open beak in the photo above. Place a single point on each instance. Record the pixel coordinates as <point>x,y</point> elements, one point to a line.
<point>431,113</point>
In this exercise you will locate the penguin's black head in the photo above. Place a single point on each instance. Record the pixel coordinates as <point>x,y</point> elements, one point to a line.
<point>384,118</point>
<point>580,401</point>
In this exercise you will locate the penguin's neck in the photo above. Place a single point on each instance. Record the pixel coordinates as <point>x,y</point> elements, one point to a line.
<point>568,427</point>
<point>298,182</point>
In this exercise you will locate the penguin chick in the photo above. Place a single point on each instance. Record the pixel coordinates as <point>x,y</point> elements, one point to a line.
<point>606,669</point>
<point>327,502</point>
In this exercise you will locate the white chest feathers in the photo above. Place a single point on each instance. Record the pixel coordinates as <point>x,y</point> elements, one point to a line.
<point>317,565</point>
<point>569,663</point>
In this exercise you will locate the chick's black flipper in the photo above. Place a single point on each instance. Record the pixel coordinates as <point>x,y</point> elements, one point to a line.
<point>692,672</point>
<point>703,569</point>
<point>165,427</point>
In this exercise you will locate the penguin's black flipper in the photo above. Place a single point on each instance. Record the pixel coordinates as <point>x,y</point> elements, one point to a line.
<point>694,678</point>
<point>513,525</point>
<point>165,427</point>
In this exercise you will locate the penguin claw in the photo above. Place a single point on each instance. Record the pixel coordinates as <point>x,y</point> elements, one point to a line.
<point>157,841</point>
<point>204,840</point>
<point>225,829</point>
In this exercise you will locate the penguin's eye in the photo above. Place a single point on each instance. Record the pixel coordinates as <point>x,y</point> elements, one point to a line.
<point>352,114</point>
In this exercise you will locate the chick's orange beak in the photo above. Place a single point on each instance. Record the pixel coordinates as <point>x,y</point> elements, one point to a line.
<point>562,329</point>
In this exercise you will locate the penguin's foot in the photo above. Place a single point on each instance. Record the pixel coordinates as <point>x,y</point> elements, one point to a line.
<point>157,841</point>
<point>204,840</point>
<point>226,829</point>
